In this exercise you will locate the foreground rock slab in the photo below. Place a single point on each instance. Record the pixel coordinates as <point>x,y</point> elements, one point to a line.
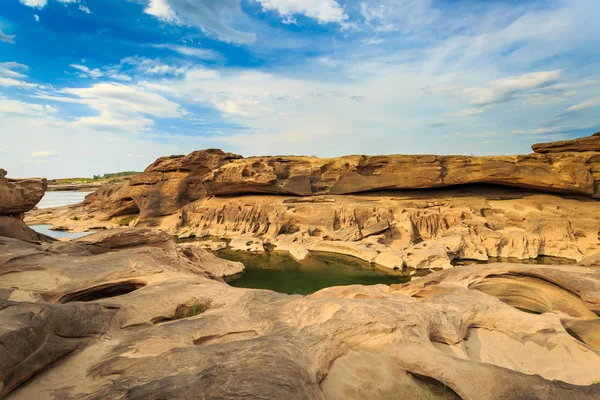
<point>167,330</point>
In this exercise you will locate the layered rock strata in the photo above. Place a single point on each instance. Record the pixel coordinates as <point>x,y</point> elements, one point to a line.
<point>585,144</point>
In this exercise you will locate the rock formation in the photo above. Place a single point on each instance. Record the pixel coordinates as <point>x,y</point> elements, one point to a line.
<point>148,323</point>
<point>395,228</point>
<point>163,188</point>
<point>17,196</point>
<point>585,144</point>
<point>577,173</point>
<point>152,319</point>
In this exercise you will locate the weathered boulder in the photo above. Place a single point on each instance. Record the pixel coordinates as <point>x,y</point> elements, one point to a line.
<point>577,173</point>
<point>163,188</point>
<point>112,239</point>
<point>208,262</point>
<point>34,335</point>
<point>18,196</point>
<point>589,143</point>
<point>15,228</point>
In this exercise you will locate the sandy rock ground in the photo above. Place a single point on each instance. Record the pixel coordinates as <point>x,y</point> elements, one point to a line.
<point>153,323</point>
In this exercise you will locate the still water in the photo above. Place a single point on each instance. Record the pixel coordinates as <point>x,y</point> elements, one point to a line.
<point>45,229</point>
<point>279,272</point>
<point>62,198</point>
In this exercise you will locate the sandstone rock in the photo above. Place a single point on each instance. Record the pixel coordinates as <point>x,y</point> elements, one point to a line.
<point>15,228</point>
<point>298,251</point>
<point>20,195</point>
<point>127,238</point>
<point>247,242</point>
<point>210,263</point>
<point>452,330</point>
<point>163,188</point>
<point>589,143</point>
<point>577,173</point>
<point>34,335</point>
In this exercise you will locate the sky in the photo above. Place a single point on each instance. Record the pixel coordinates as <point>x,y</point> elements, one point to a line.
<point>97,86</point>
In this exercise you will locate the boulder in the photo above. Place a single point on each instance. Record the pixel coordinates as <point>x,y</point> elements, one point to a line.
<point>17,229</point>
<point>589,143</point>
<point>120,238</point>
<point>211,264</point>
<point>163,188</point>
<point>18,196</point>
<point>34,335</point>
<point>577,173</point>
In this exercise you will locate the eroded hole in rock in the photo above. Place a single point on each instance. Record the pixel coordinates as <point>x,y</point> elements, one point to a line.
<point>102,292</point>
<point>533,295</point>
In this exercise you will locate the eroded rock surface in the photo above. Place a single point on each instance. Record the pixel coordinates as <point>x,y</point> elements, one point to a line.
<point>18,196</point>
<point>589,143</point>
<point>305,176</point>
<point>177,333</point>
<point>163,188</point>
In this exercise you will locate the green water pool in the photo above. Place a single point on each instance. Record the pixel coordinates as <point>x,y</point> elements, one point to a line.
<point>280,272</point>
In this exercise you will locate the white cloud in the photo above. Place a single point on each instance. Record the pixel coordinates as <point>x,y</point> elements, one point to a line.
<point>34,3</point>
<point>584,105</point>
<point>6,38</point>
<point>211,16</point>
<point>203,54</point>
<point>85,71</point>
<point>161,10</point>
<point>16,107</point>
<point>244,107</point>
<point>322,10</point>
<point>36,18</point>
<point>84,8</point>
<point>135,155</point>
<point>44,153</point>
<point>7,70</point>
<point>120,107</point>
<point>9,82</point>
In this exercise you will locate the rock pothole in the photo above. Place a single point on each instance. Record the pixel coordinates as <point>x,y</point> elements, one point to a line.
<point>100,292</point>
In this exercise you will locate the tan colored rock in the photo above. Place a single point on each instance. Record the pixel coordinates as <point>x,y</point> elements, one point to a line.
<point>589,143</point>
<point>211,264</point>
<point>577,173</point>
<point>163,188</point>
<point>452,334</point>
<point>15,228</point>
<point>18,196</point>
<point>247,242</point>
<point>127,238</point>
<point>298,251</point>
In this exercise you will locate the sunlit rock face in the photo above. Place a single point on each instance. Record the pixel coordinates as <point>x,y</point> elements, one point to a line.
<point>585,144</point>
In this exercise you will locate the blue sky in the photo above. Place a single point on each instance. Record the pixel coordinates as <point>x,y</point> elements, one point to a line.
<point>95,86</point>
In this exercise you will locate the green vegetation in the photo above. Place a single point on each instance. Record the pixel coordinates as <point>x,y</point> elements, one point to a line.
<point>76,218</point>
<point>124,174</point>
<point>97,178</point>
<point>196,309</point>
<point>596,383</point>
<point>126,220</point>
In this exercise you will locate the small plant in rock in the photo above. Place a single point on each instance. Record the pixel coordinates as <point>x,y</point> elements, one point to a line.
<point>127,220</point>
<point>76,218</point>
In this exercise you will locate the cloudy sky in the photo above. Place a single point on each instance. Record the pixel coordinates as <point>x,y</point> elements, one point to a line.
<point>96,86</point>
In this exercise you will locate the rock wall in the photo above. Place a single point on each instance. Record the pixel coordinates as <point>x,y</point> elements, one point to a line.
<point>305,176</point>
